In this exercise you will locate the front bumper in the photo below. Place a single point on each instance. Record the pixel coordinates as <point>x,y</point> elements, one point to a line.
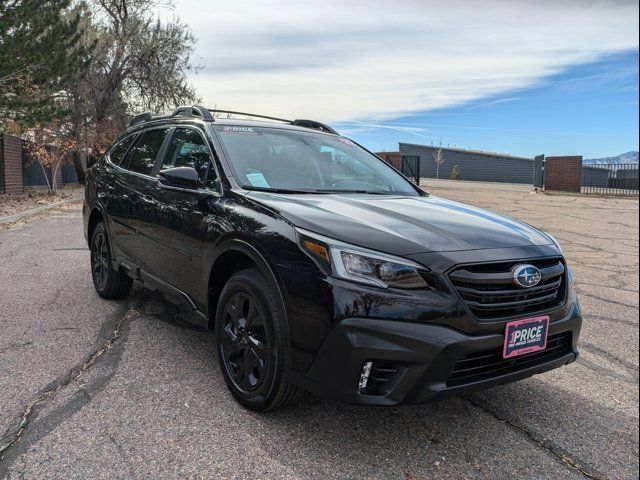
<point>423,357</point>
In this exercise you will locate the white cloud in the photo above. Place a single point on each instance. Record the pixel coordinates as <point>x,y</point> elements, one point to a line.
<point>347,60</point>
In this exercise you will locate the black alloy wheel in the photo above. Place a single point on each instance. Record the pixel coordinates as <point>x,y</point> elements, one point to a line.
<point>109,282</point>
<point>99,259</point>
<point>250,342</point>
<point>247,346</point>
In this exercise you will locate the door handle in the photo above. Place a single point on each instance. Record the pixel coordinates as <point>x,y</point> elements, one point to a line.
<point>147,201</point>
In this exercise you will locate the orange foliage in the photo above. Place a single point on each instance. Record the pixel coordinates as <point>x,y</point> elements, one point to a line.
<point>50,144</point>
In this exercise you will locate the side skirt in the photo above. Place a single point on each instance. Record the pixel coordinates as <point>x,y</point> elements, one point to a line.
<point>189,311</point>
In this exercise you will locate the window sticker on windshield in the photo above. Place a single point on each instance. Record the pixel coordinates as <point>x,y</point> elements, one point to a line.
<point>257,180</point>
<point>239,129</point>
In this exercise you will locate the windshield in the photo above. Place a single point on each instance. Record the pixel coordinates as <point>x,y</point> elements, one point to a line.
<point>284,160</point>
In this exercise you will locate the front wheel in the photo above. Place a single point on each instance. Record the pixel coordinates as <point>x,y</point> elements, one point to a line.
<point>250,343</point>
<point>108,282</point>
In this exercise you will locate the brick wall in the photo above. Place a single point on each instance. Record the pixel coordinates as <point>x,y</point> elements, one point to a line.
<point>11,169</point>
<point>394,158</point>
<point>563,174</point>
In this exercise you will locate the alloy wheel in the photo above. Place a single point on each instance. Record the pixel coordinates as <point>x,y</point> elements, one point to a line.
<point>245,343</point>
<point>100,259</point>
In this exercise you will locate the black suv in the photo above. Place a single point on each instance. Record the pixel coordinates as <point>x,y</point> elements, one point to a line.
<point>321,267</point>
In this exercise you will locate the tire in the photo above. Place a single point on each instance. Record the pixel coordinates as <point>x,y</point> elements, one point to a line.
<point>108,282</point>
<point>250,343</point>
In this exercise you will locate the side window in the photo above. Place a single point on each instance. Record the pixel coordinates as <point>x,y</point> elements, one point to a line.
<point>143,154</point>
<point>188,149</point>
<point>120,150</point>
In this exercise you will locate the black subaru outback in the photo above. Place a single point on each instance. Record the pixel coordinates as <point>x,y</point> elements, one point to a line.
<point>320,267</point>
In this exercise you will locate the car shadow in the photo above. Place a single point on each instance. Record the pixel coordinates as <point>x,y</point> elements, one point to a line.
<point>480,435</point>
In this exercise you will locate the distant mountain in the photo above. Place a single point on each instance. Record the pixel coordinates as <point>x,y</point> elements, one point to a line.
<point>629,157</point>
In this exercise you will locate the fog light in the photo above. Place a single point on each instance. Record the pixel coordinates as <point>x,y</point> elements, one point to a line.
<point>364,375</point>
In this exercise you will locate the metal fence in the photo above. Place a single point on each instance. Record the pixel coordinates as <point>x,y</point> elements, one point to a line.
<point>411,167</point>
<point>611,179</point>
<point>69,174</point>
<point>34,176</point>
<point>32,173</point>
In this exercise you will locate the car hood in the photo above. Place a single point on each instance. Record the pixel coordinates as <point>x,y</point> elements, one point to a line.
<point>401,225</point>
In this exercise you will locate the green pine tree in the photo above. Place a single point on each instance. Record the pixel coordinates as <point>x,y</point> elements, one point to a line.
<point>41,52</point>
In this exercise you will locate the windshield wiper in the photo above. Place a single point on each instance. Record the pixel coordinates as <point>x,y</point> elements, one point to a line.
<point>276,190</point>
<point>369,192</point>
<point>324,191</point>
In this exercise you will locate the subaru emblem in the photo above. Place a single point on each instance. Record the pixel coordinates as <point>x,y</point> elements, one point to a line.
<point>526,276</point>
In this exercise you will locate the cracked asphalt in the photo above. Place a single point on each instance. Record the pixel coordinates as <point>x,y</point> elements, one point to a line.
<point>101,389</point>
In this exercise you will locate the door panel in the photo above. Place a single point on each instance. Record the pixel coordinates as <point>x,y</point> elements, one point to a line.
<point>138,186</point>
<point>179,221</point>
<point>142,206</point>
<point>116,201</point>
<point>119,212</point>
<point>177,255</point>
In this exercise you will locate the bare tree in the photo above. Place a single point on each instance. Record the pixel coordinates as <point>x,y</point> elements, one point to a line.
<point>138,63</point>
<point>438,158</point>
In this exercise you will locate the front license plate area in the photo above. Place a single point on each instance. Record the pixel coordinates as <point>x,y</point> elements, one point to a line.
<point>525,336</point>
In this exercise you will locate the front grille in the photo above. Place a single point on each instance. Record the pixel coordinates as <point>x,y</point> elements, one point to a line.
<point>487,364</point>
<point>489,291</point>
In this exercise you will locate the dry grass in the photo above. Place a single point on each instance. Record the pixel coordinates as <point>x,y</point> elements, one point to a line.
<point>11,204</point>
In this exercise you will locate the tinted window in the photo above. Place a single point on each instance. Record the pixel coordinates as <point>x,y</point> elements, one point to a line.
<point>272,158</point>
<point>118,152</point>
<point>143,154</point>
<point>188,149</point>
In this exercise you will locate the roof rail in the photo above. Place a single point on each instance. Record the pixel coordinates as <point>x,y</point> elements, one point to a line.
<point>143,117</point>
<point>207,114</point>
<point>184,111</point>
<point>193,110</point>
<point>298,122</point>
<point>231,112</point>
<point>315,125</point>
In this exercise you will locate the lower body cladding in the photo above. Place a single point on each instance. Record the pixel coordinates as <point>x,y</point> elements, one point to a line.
<point>389,362</point>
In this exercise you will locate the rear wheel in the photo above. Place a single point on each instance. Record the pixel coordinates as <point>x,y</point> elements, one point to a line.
<point>108,282</point>
<point>250,343</point>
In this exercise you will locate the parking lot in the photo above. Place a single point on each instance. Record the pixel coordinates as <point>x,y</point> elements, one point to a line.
<point>101,389</point>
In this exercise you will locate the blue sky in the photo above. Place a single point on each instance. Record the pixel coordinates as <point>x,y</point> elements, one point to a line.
<point>517,76</point>
<point>589,110</point>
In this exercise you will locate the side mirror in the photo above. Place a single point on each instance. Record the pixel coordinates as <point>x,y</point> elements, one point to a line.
<point>180,178</point>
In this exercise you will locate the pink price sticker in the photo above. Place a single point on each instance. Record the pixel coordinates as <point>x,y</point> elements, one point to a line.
<point>525,336</point>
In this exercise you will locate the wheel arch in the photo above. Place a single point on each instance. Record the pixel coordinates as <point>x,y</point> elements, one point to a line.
<point>233,255</point>
<point>98,214</point>
<point>95,217</point>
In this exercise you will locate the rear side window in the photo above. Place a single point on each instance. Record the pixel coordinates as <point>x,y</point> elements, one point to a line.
<point>143,154</point>
<point>120,150</point>
<point>189,149</point>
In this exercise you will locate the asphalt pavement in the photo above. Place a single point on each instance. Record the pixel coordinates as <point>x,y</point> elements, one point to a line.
<point>122,389</point>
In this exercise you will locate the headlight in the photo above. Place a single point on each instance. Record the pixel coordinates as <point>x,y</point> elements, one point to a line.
<point>555,242</point>
<point>361,265</point>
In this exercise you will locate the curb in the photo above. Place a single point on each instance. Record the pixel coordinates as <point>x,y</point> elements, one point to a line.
<point>33,211</point>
